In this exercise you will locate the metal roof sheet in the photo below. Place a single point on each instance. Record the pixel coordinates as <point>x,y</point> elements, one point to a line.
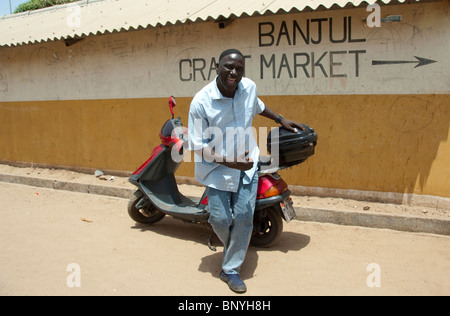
<point>90,17</point>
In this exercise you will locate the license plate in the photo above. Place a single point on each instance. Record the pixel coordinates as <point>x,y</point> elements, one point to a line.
<point>287,206</point>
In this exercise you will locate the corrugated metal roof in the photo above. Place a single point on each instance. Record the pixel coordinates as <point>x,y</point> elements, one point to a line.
<point>90,17</point>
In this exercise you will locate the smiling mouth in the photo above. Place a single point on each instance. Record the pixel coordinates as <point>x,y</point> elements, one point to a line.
<point>231,81</point>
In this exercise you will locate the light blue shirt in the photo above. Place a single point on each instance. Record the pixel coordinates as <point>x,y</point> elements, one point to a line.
<point>225,124</point>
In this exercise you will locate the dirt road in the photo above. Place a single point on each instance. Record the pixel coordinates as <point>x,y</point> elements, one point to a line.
<point>64,243</point>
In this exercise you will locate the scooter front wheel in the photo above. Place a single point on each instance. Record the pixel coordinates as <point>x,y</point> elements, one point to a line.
<point>147,213</point>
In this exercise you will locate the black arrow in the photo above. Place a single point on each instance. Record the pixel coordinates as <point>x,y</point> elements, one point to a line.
<point>420,62</point>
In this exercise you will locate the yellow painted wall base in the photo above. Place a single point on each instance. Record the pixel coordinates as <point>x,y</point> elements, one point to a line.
<point>386,143</point>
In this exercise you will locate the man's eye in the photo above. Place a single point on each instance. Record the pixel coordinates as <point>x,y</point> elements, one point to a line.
<point>238,70</point>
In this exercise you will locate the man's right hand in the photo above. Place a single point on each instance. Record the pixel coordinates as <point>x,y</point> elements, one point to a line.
<point>241,162</point>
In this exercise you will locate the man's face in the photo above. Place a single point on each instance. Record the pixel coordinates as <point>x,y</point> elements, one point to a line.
<point>230,70</point>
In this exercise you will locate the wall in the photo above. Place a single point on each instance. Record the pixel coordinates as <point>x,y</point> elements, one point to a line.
<point>382,115</point>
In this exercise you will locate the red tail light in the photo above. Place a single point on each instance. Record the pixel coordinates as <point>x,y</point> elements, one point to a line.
<point>277,189</point>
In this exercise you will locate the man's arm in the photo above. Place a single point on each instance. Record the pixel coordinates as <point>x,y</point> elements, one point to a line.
<point>241,162</point>
<point>284,122</point>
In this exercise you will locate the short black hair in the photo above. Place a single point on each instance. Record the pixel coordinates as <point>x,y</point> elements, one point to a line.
<point>230,51</point>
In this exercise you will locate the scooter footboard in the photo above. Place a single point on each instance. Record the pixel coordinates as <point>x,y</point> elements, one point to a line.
<point>190,214</point>
<point>185,209</point>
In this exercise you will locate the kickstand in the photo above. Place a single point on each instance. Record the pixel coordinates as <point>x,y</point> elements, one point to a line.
<point>210,246</point>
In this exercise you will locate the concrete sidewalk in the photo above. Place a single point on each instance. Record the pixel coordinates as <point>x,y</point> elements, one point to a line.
<point>428,224</point>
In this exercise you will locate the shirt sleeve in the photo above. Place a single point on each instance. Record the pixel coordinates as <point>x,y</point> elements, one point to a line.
<point>260,106</point>
<point>196,125</point>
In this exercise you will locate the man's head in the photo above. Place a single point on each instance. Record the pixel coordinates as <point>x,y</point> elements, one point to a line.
<point>230,70</point>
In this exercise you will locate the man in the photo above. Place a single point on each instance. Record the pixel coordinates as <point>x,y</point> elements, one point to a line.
<point>220,119</point>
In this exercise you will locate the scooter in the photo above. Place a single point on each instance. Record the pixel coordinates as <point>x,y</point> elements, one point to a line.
<point>158,195</point>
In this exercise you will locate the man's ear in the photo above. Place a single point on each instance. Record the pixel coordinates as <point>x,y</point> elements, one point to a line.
<point>217,68</point>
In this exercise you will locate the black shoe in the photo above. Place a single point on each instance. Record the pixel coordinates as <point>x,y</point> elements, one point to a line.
<point>234,282</point>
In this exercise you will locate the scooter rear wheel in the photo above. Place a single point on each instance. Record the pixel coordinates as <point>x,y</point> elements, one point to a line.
<point>148,214</point>
<point>267,227</point>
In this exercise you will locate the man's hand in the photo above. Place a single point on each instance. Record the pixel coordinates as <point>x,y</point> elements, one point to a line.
<point>241,162</point>
<point>291,125</point>
<point>284,122</point>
